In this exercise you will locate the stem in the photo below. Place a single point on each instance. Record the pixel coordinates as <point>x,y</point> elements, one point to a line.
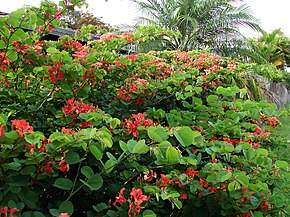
<point>72,192</point>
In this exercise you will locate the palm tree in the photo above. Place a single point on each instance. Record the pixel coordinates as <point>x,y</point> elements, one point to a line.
<point>202,24</point>
<point>273,48</point>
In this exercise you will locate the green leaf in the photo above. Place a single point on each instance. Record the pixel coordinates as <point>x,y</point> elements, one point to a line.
<point>66,88</point>
<point>109,166</point>
<point>211,178</point>
<point>72,157</point>
<point>54,212</point>
<point>87,171</point>
<point>262,151</point>
<point>212,99</point>
<point>13,56</point>
<point>100,207</point>
<point>255,201</point>
<point>152,189</point>
<point>12,134</point>
<point>223,176</point>
<point>281,164</point>
<point>177,203</point>
<point>114,123</point>
<point>107,142</point>
<point>198,90</point>
<point>95,182</point>
<point>242,178</point>
<point>34,138</point>
<point>63,183</point>
<point>2,44</point>
<point>257,214</point>
<point>13,166</point>
<point>188,88</point>
<point>172,154</point>
<point>124,147</point>
<point>149,213</point>
<point>137,147</point>
<point>231,186</point>
<point>184,135</point>
<point>52,50</point>
<point>249,154</point>
<point>66,207</point>
<point>158,134</point>
<point>3,119</point>
<point>19,34</point>
<point>96,152</point>
<point>28,170</point>
<point>38,214</point>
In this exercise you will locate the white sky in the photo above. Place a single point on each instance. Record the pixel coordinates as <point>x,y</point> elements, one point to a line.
<point>272,14</point>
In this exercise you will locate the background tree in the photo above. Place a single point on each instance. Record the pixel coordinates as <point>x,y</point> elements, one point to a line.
<point>76,19</point>
<point>273,47</point>
<point>202,24</point>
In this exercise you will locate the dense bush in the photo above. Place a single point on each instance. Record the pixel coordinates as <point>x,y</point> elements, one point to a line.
<point>86,131</point>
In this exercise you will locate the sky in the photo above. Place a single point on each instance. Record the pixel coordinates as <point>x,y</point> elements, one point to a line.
<point>272,14</point>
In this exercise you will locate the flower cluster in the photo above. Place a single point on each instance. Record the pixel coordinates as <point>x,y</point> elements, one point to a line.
<point>22,127</point>
<point>137,198</point>
<point>48,164</point>
<point>133,85</point>
<point>5,210</point>
<point>4,61</point>
<point>55,72</point>
<point>139,120</point>
<point>149,176</point>
<point>272,121</point>
<point>120,198</point>
<point>63,166</point>
<point>73,108</point>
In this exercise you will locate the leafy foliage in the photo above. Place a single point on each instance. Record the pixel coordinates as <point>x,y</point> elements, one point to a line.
<point>86,131</point>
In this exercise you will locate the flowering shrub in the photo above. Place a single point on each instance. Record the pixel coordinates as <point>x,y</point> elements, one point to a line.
<point>86,131</point>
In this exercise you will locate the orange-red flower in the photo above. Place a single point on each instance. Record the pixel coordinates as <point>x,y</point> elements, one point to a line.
<point>2,130</point>
<point>22,127</point>
<point>120,198</point>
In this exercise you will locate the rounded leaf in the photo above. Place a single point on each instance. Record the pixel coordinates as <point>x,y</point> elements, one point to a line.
<point>158,134</point>
<point>63,183</point>
<point>66,207</point>
<point>184,135</point>
<point>148,213</point>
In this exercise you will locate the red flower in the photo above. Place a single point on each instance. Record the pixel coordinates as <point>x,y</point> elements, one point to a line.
<point>177,181</point>
<point>57,14</point>
<point>272,121</point>
<point>183,196</point>
<point>132,57</point>
<point>13,210</point>
<point>138,196</point>
<point>258,130</point>
<point>31,149</point>
<point>165,181</point>
<point>4,210</point>
<point>22,127</point>
<point>63,215</point>
<point>67,131</point>
<point>191,173</point>
<point>120,198</point>
<point>74,108</point>
<point>2,130</point>
<point>149,176</point>
<point>63,166</point>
